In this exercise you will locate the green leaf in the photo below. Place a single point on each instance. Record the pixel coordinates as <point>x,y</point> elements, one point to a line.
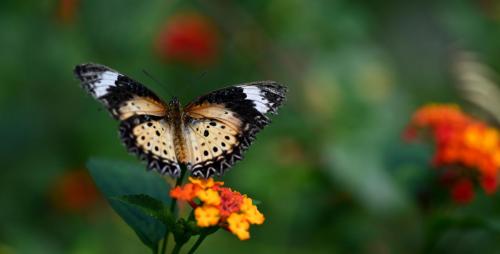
<point>118,178</point>
<point>150,206</point>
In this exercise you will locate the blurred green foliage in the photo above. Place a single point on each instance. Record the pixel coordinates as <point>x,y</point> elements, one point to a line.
<point>331,170</point>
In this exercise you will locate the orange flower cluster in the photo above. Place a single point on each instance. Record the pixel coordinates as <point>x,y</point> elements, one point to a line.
<point>460,140</point>
<point>217,205</point>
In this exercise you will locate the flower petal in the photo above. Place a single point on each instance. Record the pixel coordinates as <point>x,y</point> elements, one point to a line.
<point>239,226</point>
<point>206,216</point>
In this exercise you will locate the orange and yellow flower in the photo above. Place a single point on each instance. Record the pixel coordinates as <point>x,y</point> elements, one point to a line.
<point>219,206</point>
<point>460,140</point>
<point>186,192</point>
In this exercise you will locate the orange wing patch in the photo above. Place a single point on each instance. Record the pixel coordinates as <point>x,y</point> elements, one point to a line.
<point>217,112</point>
<point>140,106</point>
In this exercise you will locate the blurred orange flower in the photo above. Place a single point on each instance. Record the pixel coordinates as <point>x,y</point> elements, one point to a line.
<point>189,38</point>
<point>75,192</point>
<point>217,205</point>
<point>460,140</point>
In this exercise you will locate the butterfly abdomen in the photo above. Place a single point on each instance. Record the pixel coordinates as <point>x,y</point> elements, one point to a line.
<point>175,116</point>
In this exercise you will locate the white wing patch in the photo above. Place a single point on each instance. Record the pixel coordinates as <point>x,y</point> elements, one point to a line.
<point>257,95</point>
<point>107,80</point>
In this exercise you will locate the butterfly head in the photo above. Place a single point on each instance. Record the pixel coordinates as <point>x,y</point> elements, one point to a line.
<point>174,102</point>
<point>174,106</point>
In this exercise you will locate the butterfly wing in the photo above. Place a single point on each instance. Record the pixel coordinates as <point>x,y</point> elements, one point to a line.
<point>122,96</point>
<point>220,126</point>
<point>144,127</point>
<point>476,84</point>
<point>152,139</point>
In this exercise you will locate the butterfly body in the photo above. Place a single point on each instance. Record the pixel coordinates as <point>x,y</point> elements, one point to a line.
<point>207,136</point>
<point>176,117</point>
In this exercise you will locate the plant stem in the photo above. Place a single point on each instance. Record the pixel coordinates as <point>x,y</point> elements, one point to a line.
<point>191,215</point>
<point>164,244</point>
<point>155,249</point>
<point>197,243</point>
<point>177,248</point>
<point>172,211</point>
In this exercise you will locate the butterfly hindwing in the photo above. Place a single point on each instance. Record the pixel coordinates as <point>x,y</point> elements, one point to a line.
<point>213,146</point>
<point>122,96</point>
<point>152,139</point>
<point>226,122</point>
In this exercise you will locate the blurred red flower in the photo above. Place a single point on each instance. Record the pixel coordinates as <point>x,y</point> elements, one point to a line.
<point>489,184</point>
<point>190,38</point>
<point>462,142</point>
<point>74,192</point>
<point>462,191</point>
<point>66,10</point>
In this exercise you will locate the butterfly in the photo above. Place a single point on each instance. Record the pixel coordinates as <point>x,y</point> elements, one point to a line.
<point>207,136</point>
<point>477,84</point>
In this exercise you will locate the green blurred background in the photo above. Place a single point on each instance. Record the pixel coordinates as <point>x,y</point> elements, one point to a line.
<point>331,171</point>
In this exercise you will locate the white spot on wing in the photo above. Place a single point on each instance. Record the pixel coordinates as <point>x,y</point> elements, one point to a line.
<point>108,79</point>
<point>262,108</point>
<point>254,94</point>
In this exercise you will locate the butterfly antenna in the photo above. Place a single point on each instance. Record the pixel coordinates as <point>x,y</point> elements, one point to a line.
<point>162,86</point>
<point>203,74</point>
<point>198,78</point>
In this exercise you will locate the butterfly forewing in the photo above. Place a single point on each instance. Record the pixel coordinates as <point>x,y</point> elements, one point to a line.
<point>221,125</point>
<point>122,96</point>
